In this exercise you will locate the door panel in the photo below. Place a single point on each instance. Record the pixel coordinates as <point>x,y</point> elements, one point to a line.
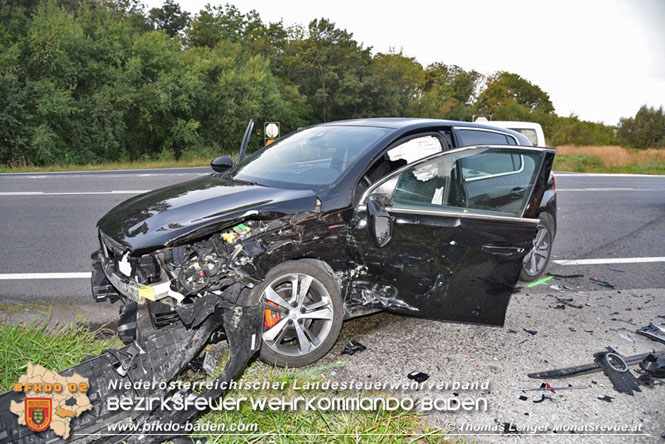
<point>449,254</point>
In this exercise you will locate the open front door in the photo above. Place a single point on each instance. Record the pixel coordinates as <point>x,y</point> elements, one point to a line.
<point>444,238</point>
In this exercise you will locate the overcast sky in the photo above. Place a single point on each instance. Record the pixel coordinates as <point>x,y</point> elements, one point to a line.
<point>598,59</point>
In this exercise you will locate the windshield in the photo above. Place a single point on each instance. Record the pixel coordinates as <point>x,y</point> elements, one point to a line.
<point>314,156</point>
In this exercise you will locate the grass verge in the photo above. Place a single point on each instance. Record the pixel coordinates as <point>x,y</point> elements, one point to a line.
<point>136,165</point>
<point>609,159</point>
<point>53,348</point>
<point>57,349</point>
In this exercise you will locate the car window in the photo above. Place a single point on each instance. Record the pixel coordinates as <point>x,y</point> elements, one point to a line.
<point>314,156</point>
<point>468,137</point>
<point>446,183</point>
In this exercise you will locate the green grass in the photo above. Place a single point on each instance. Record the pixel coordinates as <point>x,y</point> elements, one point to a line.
<point>61,348</point>
<point>136,165</point>
<point>55,349</point>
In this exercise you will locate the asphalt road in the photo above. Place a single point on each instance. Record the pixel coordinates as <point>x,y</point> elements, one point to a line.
<point>48,222</point>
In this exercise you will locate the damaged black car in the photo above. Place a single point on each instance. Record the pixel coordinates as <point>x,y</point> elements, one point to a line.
<point>428,218</point>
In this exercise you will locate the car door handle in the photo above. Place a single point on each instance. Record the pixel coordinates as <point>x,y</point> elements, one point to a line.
<point>500,250</point>
<point>517,192</point>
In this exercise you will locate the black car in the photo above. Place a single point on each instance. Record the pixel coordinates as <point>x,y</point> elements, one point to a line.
<point>429,218</point>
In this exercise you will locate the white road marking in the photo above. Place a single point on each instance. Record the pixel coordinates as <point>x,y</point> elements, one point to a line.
<point>612,260</point>
<point>70,193</point>
<point>87,275</point>
<point>24,276</point>
<point>610,189</point>
<point>657,176</point>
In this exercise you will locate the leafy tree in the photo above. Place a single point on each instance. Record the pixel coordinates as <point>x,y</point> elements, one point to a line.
<point>396,81</point>
<point>169,18</point>
<point>504,89</point>
<point>331,69</point>
<point>449,92</point>
<point>645,130</point>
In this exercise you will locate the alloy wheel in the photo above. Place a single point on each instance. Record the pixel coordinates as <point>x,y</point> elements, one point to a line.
<point>536,259</point>
<point>298,314</point>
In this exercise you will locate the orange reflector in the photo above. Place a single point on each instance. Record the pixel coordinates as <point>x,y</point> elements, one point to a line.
<point>270,318</point>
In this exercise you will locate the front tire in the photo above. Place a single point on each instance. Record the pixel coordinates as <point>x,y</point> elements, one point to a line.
<point>535,262</point>
<point>303,314</point>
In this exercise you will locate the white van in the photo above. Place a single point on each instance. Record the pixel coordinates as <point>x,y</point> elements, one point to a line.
<point>532,131</point>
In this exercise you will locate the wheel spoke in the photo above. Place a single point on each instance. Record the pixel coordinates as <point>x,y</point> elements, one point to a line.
<point>533,266</point>
<point>294,288</point>
<point>540,236</point>
<point>323,313</point>
<point>304,288</point>
<point>272,296</point>
<point>277,330</point>
<point>315,305</point>
<point>304,342</point>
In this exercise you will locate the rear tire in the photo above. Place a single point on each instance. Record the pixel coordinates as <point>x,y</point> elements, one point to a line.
<point>536,261</point>
<point>301,325</point>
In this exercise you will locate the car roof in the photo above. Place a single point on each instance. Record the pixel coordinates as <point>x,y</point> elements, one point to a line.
<point>404,125</point>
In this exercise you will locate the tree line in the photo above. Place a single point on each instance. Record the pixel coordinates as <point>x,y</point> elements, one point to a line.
<point>89,81</point>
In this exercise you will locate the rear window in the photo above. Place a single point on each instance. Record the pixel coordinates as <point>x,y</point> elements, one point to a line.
<point>475,137</point>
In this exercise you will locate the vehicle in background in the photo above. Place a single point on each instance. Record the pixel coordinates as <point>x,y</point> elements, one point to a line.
<point>531,130</point>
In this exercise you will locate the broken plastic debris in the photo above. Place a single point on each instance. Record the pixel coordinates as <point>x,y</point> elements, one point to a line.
<point>601,282</point>
<point>569,302</point>
<point>418,376</point>
<point>531,332</point>
<point>565,276</point>
<point>511,331</point>
<point>652,332</point>
<point>585,368</point>
<point>542,398</point>
<point>653,365</point>
<point>606,398</point>
<point>352,347</point>
<point>573,329</point>
<point>556,287</point>
<point>523,398</point>
<point>626,336</point>
<point>616,368</point>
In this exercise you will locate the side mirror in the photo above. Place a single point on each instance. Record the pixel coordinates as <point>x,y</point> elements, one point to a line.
<point>379,222</point>
<point>221,164</point>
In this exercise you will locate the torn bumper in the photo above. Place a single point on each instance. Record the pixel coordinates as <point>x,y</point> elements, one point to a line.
<point>106,283</point>
<point>158,356</point>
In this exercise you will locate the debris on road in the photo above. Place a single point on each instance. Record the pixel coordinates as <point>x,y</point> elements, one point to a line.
<point>564,276</point>
<point>616,368</point>
<point>606,398</point>
<point>569,302</point>
<point>586,368</point>
<point>654,366</point>
<point>352,347</point>
<point>542,398</point>
<point>626,336</point>
<point>418,376</point>
<point>531,332</point>
<point>556,287</point>
<point>601,282</point>
<point>617,269</point>
<point>523,398</point>
<point>546,387</point>
<point>652,332</point>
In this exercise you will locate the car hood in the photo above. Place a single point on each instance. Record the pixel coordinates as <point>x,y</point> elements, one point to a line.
<point>190,210</point>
